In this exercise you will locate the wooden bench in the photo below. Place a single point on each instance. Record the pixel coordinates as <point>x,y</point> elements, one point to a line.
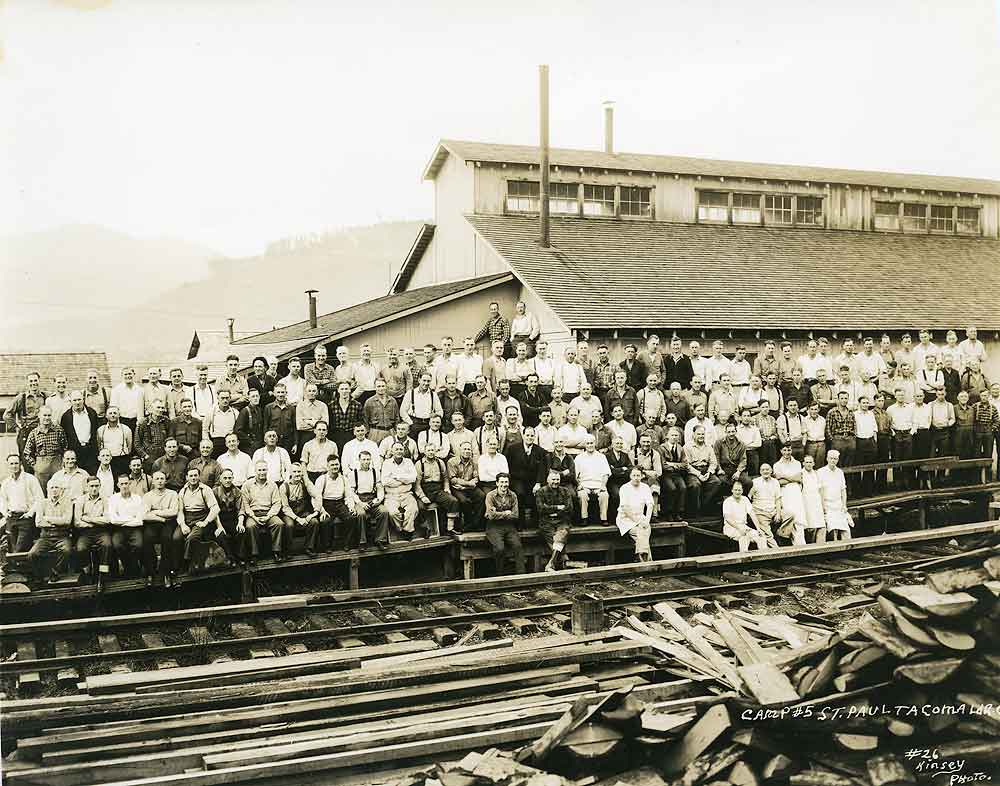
<point>583,539</point>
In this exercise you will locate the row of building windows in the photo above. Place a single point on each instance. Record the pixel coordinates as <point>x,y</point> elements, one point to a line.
<point>734,207</point>
<point>911,217</point>
<point>581,199</point>
<point>731,207</point>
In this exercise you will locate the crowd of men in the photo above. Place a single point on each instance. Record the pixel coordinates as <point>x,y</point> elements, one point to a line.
<point>342,454</point>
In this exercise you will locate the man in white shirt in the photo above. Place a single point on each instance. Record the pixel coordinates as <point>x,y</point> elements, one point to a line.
<point>922,350</point>
<point>21,499</point>
<point>592,473</point>
<point>445,364</point>
<point>971,348</point>
<point>588,404</point>
<point>220,422</point>
<point>59,401</point>
<point>71,477</point>
<point>619,427</point>
<point>125,511</point>
<point>153,390</point>
<point>317,451</point>
<point>130,400</point>
<point>699,419</point>
<point>365,374</point>
<point>717,365</point>
<point>866,452</point>
<point>810,363</point>
<point>350,459</point>
<point>491,463</point>
<point>903,428</point>
<point>237,462</point>
<point>635,512</point>
<point>279,463</point>
<point>942,423</point>
<point>571,376</point>
<point>470,366</point>
<point>202,395</point>
<point>294,382</point>
<point>870,363</point>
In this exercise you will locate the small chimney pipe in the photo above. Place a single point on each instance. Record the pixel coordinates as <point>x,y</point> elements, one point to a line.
<point>543,100</point>
<point>232,335</point>
<point>313,320</point>
<point>609,126</point>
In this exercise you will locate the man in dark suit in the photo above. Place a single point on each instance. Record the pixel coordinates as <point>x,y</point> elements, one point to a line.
<point>532,401</point>
<point>635,370</point>
<point>525,460</point>
<point>80,424</point>
<point>677,366</point>
<point>621,466</point>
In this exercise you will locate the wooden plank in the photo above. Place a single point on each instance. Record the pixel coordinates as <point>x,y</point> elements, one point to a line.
<point>768,684</point>
<point>155,641</point>
<point>702,647</point>
<point>709,727</point>
<point>743,650</point>
<point>116,683</point>
<point>108,642</point>
<point>956,579</point>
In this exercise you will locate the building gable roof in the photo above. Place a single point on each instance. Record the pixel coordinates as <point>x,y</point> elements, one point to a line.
<point>75,365</point>
<point>355,317</point>
<point>640,162</point>
<point>413,257</point>
<point>637,274</point>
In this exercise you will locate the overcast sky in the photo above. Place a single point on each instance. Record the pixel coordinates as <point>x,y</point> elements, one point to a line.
<point>232,123</point>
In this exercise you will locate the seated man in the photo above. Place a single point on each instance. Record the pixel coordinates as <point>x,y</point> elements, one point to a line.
<point>333,500</point>
<point>459,434</point>
<point>398,476</point>
<point>160,528</point>
<point>93,534</point>
<point>501,526</point>
<point>298,511</point>
<point>316,451</point>
<point>592,473</point>
<point>432,486</point>
<point>369,496</point>
<point>635,512</point>
<point>765,494</point>
<point>52,548</point>
<point>236,542</point>
<point>491,464</point>
<point>740,521</point>
<point>279,463</point>
<point>105,473</point>
<point>259,509</point>
<point>554,503</point>
<point>402,436</point>
<point>525,460</point>
<point>71,477</point>
<point>21,500</point>
<point>651,463</point>
<point>731,455</point>
<point>673,488</point>
<point>197,515</point>
<point>125,512</point>
<point>620,463</point>
<point>236,461</point>
<point>463,475</point>
<point>703,483</point>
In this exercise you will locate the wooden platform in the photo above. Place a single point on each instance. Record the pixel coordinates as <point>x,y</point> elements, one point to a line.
<point>584,539</point>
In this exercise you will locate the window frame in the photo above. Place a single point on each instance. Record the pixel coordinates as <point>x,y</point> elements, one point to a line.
<point>903,218</point>
<point>819,200</point>
<point>651,204</point>
<point>791,210</point>
<point>537,198</point>
<point>978,231</point>
<point>614,200</point>
<point>727,207</point>
<point>952,209</point>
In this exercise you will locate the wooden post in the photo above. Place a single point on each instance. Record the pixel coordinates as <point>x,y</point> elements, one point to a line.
<point>247,593</point>
<point>588,615</point>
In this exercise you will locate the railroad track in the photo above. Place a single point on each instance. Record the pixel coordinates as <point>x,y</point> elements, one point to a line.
<point>53,658</point>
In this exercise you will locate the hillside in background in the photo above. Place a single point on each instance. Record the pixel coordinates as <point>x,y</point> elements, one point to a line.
<point>135,302</point>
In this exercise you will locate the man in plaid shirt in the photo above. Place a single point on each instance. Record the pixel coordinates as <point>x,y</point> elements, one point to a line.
<point>841,430</point>
<point>44,449</point>
<point>496,327</point>
<point>985,424</point>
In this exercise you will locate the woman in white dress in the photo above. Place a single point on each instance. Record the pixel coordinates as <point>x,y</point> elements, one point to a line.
<point>788,472</point>
<point>812,501</point>
<point>833,488</point>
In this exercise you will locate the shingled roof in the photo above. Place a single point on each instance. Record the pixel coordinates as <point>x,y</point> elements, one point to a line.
<point>348,319</point>
<point>681,165</point>
<point>631,274</point>
<point>15,367</point>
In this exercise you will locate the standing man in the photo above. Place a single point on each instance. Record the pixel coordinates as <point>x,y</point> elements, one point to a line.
<point>261,381</point>
<point>380,413</point>
<point>942,423</point>
<point>623,395</point>
<point>44,448</point>
<point>396,376</point>
<point>652,359</point>
<point>130,400</point>
<point>317,451</point>
<point>250,423</point>
<point>350,455</point>
<point>153,390</point>
<point>96,396</point>
<point>418,406</point>
<point>279,415</point>
<point>58,402</point>
<point>635,369</point>
<point>971,348</point>
<point>677,366</point>
<point>603,373</point>
<point>294,382</point>
<point>153,433</point>
<point>345,414</point>
<point>115,437</point>
<point>452,401</point>
<point>321,374</point>
<point>21,501</point>
<point>496,328</point>
<point>502,516</point>
<point>841,430</point>
<point>308,413</point>
<point>175,393</point>
<point>71,477</point>
<point>203,394</point>
<point>365,374</point>
<point>792,429</point>
<point>866,441</point>
<point>186,429</point>
<point>524,460</point>
<point>233,383</point>
<point>470,366</point>
<point>80,425</point>
<point>717,365</point>
<point>172,464</point>
<point>209,470</point>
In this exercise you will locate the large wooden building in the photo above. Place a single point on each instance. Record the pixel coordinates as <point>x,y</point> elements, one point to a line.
<point>701,248</point>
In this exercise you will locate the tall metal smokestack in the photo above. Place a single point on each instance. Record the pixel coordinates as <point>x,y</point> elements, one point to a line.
<point>311,293</point>
<point>232,332</point>
<point>543,100</point>
<point>609,126</point>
